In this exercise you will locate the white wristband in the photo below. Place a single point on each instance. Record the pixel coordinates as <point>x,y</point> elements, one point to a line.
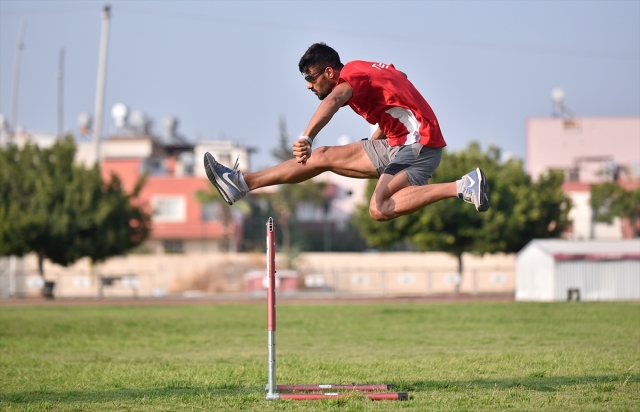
<point>308,139</point>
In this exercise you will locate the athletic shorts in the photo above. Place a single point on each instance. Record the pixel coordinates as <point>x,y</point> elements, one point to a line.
<point>418,161</point>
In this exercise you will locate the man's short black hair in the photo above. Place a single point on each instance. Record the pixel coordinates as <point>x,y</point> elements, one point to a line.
<point>318,56</point>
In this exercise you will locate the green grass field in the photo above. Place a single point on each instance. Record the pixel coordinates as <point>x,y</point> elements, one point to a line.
<point>469,356</point>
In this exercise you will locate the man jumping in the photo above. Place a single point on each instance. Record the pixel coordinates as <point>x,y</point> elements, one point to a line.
<point>402,153</point>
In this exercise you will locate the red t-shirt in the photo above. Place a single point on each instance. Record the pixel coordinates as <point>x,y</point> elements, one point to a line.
<point>382,95</point>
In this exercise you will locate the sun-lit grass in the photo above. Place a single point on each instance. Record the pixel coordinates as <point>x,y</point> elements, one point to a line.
<point>460,356</point>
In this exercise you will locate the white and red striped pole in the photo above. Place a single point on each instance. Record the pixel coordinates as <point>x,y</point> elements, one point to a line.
<point>271,309</point>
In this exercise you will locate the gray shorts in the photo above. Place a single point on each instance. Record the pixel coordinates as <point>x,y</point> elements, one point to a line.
<point>419,162</point>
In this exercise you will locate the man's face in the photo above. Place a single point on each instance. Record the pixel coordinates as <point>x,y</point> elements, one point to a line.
<point>321,83</point>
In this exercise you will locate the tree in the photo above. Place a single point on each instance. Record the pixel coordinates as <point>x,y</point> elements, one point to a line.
<point>291,196</point>
<point>287,200</point>
<point>34,214</point>
<point>520,210</point>
<point>17,186</point>
<point>283,151</point>
<point>105,220</point>
<point>62,211</point>
<point>610,200</point>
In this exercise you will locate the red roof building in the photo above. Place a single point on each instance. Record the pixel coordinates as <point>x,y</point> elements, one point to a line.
<point>180,223</point>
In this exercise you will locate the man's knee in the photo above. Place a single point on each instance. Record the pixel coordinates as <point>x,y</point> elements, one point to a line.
<point>320,158</point>
<point>321,154</point>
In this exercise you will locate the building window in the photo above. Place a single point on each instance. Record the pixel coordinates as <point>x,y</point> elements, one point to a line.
<point>572,175</point>
<point>169,208</point>
<point>211,212</point>
<point>498,278</point>
<point>154,166</point>
<point>358,280</point>
<point>173,246</point>
<point>406,279</point>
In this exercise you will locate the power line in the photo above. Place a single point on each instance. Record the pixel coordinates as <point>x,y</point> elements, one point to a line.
<point>441,42</point>
<point>435,41</point>
<point>48,10</point>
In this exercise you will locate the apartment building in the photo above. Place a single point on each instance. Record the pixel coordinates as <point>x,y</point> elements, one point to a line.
<point>589,150</point>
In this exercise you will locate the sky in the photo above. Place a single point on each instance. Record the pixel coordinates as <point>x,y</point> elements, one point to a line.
<point>229,70</point>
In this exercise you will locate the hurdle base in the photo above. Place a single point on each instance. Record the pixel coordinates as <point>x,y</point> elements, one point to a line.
<point>382,396</point>
<point>316,388</point>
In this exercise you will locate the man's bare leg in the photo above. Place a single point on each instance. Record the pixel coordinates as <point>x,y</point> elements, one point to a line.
<point>350,160</point>
<point>394,196</point>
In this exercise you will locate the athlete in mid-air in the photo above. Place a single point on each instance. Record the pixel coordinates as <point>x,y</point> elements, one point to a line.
<point>402,153</point>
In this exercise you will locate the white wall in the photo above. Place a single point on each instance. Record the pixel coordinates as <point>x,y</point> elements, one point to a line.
<point>581,216</point>
<point>220,148</point>
<point>534,274</point>
<point>605,280</point>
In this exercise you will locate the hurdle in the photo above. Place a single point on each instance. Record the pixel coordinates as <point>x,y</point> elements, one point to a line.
<point>366,390</point>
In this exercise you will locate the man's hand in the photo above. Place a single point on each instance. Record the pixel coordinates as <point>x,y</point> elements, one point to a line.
<point>378,135</point>
<point>302,149</point>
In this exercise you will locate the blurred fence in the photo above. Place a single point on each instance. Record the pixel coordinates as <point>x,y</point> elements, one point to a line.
<point>16,281</point>
<point>412,281</point>
<point>201,275</point>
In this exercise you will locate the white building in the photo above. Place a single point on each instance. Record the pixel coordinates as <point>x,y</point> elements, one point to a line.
<point>594,270</point>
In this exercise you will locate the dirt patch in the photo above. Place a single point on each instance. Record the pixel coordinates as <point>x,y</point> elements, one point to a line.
<point>224,277</point>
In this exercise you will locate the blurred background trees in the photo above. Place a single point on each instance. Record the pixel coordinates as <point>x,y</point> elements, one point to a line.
<point>62,211</point>
<point>520,210</point>
<point>283,203</point>
<point>610,200</point>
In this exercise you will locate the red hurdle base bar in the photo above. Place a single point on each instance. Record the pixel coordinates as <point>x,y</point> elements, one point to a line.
<point>381,396</point>
<point>354,387</point>
<point>272,388</point>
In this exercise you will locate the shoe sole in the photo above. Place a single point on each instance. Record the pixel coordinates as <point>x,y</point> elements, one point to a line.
<point>208,167</point>
<point>484,198</point>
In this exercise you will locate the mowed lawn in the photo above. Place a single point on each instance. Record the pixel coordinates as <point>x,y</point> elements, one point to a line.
<point>469,356</point>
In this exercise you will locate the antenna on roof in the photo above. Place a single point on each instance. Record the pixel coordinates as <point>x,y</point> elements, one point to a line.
<point>170,125</point>
<point>84,121</point>
<point>557,95</point>
<point>140,122</point>
<point>120,113</point>
<point>559,109</point>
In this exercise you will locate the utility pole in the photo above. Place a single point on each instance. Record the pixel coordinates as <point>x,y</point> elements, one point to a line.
<point>102,74</point>
<point>16,77</point>
<point>61,94</point>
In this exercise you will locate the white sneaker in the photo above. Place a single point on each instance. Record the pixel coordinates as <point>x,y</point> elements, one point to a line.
<point>474,190</point>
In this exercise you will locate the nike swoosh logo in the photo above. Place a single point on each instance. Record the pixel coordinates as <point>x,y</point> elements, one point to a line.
<point>226,179</point>
<point>473,182</point>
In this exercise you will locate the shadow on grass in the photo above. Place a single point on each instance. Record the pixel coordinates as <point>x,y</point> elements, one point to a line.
<point>101,396</point>
<point>542,384</point>
<point>535,383</point>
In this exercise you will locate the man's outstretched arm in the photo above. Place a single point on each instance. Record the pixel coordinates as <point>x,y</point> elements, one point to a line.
<point>338,97</point>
